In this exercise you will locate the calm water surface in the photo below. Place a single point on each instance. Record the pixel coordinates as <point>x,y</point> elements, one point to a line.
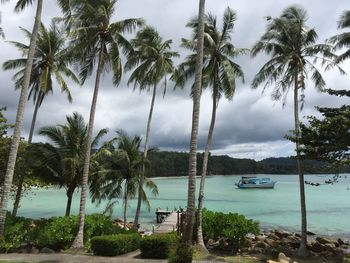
<point>328,206</point>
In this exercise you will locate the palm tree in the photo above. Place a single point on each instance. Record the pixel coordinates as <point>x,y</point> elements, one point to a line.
<point>192,170</point>
<point>50,61</point>
<point>21,4</point>
<point>60,162</point>
<point>342,40</point>
<point>97,39</point>
<point>2,34</point>
<point>153,61</point>
<point>219,72</point>
<point>291,45</point>
<point>124,168</point>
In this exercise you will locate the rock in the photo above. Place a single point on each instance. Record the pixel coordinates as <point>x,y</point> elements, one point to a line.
<point>338,253</point>
<point>271,261</point>
<point>330,246</point>
<point>309,233</point>
<point>342,242</point>
<point>324,240</point>
<point>270,242</point>
<point>283,258</point>
<point>282,234</point>
<point>260,238</point>
<point>256,250</point>
<point>47,250</point>
<point>260,244</point>
<point>273,236</point>
<point>297,235</point>
<point>316,247</point>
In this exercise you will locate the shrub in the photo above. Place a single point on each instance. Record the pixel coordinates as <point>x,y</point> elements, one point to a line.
<point>231,228</point>
<point>18,231</point>
<point>158,246</point>
<point>182,254</point>
<point>114,245</point>
<point>57,233</point>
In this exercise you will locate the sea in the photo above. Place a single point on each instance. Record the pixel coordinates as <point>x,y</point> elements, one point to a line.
<point>328,205</point>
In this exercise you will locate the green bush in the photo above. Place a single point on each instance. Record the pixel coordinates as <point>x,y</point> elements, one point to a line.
<point>230,228</point>
<point>57,233</point>
<point>158,246</point>
<point>18,230</point>
<point>182,254</point>
<point>114,245</point>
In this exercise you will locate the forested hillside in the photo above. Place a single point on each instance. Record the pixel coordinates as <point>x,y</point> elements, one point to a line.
<point>176,164</point>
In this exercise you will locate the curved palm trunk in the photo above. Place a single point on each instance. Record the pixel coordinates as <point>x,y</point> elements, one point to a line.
<point>19,120</point>
<point>22,175</point>
<point>79,239</point>
<point>204,173</point>
<point>126,192</point>
<point>148,133</point>
<point>302,249</point>
<point>194,133</point>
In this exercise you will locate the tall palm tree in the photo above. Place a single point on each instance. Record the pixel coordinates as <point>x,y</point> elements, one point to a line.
<point>60,162</point>
<point>291,45</point>
<point>2,34</point>
<point>124,168</point>
<point>153,60</point>
<point>219,72</point>
<point>50,61</point>
<point>192,170</point>
<point>21,4</point>
<point>97,39</point>
<point>342,40</point>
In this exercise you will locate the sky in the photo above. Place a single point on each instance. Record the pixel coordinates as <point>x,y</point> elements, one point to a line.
<point>252,125</point>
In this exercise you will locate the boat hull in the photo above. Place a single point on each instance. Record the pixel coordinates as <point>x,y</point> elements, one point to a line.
<point>257,186</point>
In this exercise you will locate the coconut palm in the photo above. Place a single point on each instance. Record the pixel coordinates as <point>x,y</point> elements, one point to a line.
<point>97,39</point>
<point>60,162</point>
<point>2,34</point>
<point>50,61</point>
<point>124,168</point>
<point>21,4</point>
<point>219,72</point>
<point>192,170</point>
<point>153,60</point>
<point>342,40</point>
<point>291,45</point>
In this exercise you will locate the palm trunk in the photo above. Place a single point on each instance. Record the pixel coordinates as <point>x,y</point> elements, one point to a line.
<point>70,193</point>
<point>204,173</point>
<point>192,171</point>
<point>302,249</point>
<point>126,192</point>
<point>19,120</point>
<point>22,174</point>
<point>79,239</point>
<point>148,133</point>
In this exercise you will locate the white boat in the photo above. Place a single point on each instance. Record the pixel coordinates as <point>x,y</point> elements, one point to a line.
<point>251,182</point>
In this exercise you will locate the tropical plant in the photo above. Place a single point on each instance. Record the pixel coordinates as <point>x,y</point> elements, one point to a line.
<point>60,162</point>
<point>50,61</point>
<point>342,40</point>
<point>2,34</point>
<point>21,4</point>
<point>192,170</point>
<point>291,45</point>
<point>219,72</point>
<point>153,60</point>
<point>96,40</point>
<point>123,169</point>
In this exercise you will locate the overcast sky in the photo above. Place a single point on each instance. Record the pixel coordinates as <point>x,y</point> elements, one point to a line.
<point>249,126</point>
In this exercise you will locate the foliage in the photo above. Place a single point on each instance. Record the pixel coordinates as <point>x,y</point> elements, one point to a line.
<point>18,230</point>
<point>182,254</point>
<point>231,228</point>
<point>342,40</point>
<point>328,138</point>
<point>4,126</point>
<point>60,161</point>
<point>158,246</point>
<point>114,245</point>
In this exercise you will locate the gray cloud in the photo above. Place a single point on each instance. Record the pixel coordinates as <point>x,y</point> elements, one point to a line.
<point>251,125</point>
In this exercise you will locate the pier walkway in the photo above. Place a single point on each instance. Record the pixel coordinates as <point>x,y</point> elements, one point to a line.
<point>168,225</point>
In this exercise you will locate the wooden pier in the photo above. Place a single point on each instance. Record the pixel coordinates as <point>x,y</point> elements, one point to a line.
<point>168,221</point>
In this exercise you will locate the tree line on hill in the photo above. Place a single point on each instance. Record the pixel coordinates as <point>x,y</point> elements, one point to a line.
<point>166,163</point>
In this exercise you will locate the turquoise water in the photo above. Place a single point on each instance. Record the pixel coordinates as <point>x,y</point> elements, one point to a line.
<point>328,206</point>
